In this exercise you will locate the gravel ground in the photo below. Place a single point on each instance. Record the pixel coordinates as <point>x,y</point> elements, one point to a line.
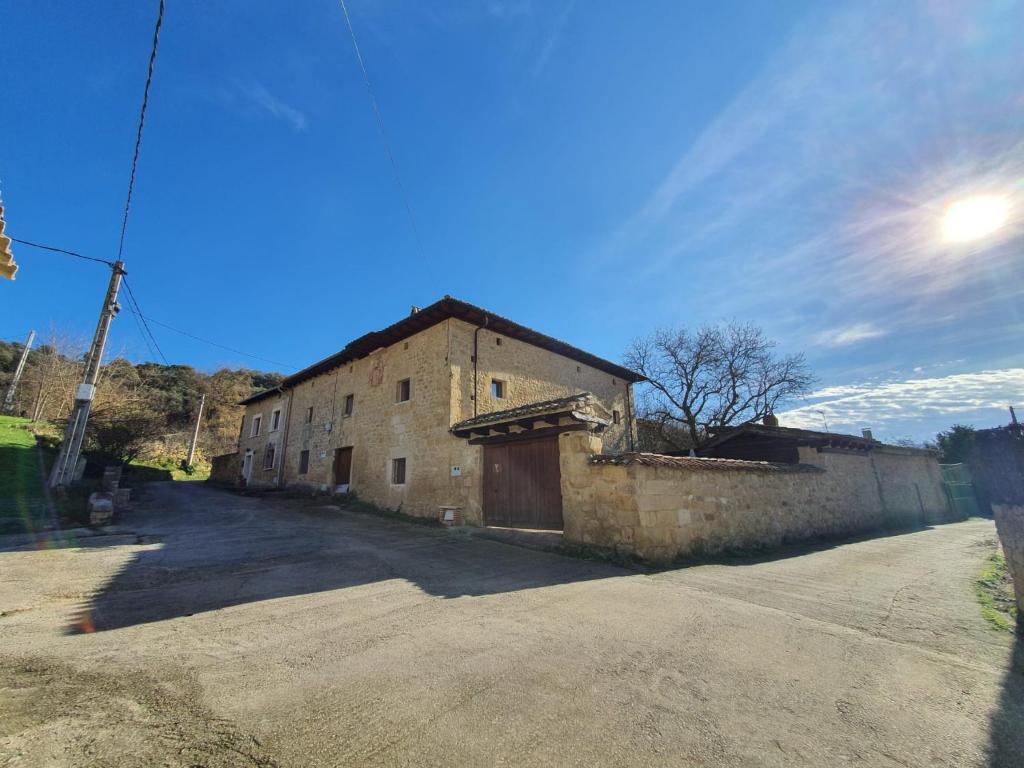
<point>212,629</point>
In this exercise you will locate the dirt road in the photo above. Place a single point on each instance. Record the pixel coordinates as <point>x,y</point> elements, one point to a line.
<point>222,630</point>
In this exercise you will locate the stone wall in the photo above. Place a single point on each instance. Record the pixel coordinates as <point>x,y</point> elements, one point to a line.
<point>254,444</point>
<point>530,374</point>
<point>662,507</point>
<point>224,469</point>
<point>441,470</point>
<point>1010,525</point>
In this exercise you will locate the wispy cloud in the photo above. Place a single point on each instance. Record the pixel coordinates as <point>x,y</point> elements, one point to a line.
<point>830,171</point>
<point>850,334</point>
<point>552,37</point>
<point>257,95</point>
<point>916,406</point>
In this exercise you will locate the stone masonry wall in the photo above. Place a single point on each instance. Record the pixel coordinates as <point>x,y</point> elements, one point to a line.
<point>224,469</point>
<point>661,512</point>
<point>441,470</point>
<point>380,428</point>
<point>530,374</point>
<point>1010,525</point>
<point>256,444</point>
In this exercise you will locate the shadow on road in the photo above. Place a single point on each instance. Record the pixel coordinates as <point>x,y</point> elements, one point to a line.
<point>205,549</point>
<point>1007,729</point>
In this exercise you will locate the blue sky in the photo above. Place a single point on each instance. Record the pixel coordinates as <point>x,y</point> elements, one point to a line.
<point>591,169</point>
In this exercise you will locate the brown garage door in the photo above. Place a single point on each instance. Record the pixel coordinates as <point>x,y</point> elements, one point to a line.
<point>522,484</point>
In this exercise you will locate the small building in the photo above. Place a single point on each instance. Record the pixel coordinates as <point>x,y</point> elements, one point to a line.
<point>452,406</point>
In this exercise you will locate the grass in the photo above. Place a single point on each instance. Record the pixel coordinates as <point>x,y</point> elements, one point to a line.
<point>994,589</point>
<point>22,501</point>
<point>165,468</point>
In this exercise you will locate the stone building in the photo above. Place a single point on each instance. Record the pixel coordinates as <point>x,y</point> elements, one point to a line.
<point>451,407</point>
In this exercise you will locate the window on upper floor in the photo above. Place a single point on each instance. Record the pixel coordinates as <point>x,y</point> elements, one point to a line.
<point>254,430</point>
<point>398,471</point>
<point>350,404</point>
<point>497,389</point>
<point>269,454</point>
<point>309,415</point>
<point>404,392</point>
<point>275,420</point>
<point>615,417</point>
<point>303,462</point>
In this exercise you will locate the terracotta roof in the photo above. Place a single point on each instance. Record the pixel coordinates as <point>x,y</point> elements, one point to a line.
<point>801,436</point>
<point>699,462</point>
<point>810,437</point>
<point>436,313</point>
<point>572,403</point>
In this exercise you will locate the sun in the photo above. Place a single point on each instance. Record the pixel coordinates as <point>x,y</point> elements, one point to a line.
<point>974,218</point>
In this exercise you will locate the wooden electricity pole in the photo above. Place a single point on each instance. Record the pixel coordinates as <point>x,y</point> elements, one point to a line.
<point>9,399</point>
<point>63,472</point>
<point>195,433</point>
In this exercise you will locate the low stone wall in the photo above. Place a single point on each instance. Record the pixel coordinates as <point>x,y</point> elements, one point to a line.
<point>225,469</point>
<point>662,507</point>
<point>1010,525</point>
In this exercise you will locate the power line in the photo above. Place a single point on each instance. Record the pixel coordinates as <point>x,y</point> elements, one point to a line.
<point>140,316</point>
<point>221,346</point>
<point>61,250</point>
<point>142,120</point>
<point>382,132</point>
<point>136,310</point>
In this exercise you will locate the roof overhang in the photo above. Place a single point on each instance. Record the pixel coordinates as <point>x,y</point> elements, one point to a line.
<point>434,314</point>
<point>547,417</point>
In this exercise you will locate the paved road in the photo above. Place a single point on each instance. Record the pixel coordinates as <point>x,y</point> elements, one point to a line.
<point>229,631</point>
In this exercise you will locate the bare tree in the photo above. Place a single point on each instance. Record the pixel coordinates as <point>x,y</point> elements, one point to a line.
<point>717,376</point>
<point>54,370</point>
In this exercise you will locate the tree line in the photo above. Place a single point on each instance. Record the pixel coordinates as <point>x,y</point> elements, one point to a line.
<point>141,409</point>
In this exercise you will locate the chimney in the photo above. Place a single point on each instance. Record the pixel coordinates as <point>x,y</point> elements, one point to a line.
<point>413,310</point>
<point>770,420</point>
<point>867,434</point>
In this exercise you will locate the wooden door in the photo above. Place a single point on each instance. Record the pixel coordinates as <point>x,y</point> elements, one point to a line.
<point>342,466</point>
<point>522,484</point>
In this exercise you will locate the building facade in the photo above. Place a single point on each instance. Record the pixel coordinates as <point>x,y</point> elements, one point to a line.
<point>404,417</point>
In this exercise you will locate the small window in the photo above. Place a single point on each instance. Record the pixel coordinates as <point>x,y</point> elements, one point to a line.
<point>497,389</point>
<point>398,471</point>
<point>303,462</point>
<point>404,390</point>
<point>268,456</point>
<point>615,417</point>
<point>256,421</point>
<point>350,401</point>
<point>309,415</point>
<point>578,369</point>
<point>275,420</point>
<point>497,342</point>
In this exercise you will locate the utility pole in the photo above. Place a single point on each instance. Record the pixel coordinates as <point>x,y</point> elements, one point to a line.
<point>64,468</point>
<point>195,433</point>
<point>9,399</point>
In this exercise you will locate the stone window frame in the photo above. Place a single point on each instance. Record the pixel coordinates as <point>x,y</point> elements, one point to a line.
<point>309,414</point>
<point>269,453</point>
<point>406,390</point>
<point>499,389</point>
<point>348,405</point>
<point>304,462</point>
<point>399,478</point>
<point>256,425</point>
<point>275,420</point>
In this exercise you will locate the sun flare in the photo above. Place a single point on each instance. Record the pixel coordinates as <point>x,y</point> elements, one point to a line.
<point>974,218</point>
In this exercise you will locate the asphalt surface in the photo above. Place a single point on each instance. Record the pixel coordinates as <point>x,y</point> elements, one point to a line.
<point>218,630</point>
